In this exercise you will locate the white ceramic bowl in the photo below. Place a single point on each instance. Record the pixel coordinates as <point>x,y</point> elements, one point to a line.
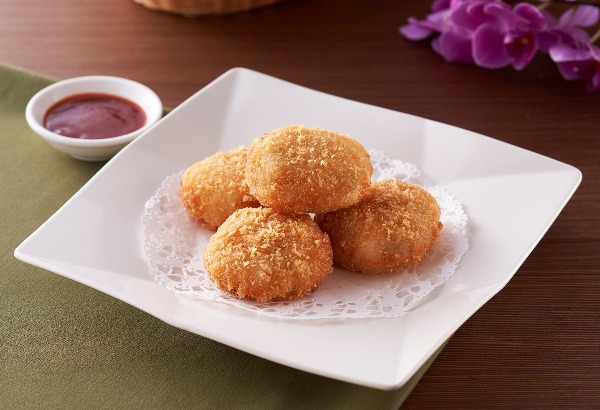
<point>91,149</point>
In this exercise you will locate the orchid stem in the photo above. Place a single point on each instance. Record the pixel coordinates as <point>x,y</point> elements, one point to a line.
<point>595,37</point>
<point>544,5</point>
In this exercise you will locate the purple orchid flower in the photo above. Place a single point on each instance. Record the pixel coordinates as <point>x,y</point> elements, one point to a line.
<point>578,63</point>
<point>435,23</point>
<point>485,32</point>
<point>421,29</point>
<point>492,34</point>
<point>568,29</point>
<point>500,35</point>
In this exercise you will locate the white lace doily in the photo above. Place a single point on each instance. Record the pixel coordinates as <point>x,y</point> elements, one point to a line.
<point>175,243</point>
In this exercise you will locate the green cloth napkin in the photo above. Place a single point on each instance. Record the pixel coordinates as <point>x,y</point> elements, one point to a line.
<point>65,345</point>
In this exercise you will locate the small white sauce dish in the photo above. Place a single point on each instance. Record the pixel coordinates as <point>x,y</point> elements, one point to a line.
<point>92,149</point>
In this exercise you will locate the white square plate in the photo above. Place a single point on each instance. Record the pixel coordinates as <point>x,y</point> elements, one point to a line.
<point>511,196</point>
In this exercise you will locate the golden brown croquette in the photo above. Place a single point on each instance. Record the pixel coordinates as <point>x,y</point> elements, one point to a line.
<point>214,188</point>
<point>298,169</point>
<point>264,255</point>
<point>392,228</point>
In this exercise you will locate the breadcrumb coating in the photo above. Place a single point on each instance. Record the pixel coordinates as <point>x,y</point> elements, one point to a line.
<point>214,188</point>
<point>392,228</point>
<point>264,255</point>
<point>299,170</point>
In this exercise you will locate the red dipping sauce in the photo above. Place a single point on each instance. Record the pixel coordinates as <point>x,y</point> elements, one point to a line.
<point>94,116</point>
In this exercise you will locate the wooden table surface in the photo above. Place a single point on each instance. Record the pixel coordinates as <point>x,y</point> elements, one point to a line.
<point>534,345</point>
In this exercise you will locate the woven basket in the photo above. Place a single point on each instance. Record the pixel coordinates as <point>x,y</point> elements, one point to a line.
<point>192,8</point>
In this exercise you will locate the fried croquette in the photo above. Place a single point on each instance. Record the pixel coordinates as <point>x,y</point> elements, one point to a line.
<point>392,228</point>
<point>214,188</point>
<point>297,169</point>
<point>264,255</point>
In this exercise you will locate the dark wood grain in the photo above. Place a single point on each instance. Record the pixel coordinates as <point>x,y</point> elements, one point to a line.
<point>534,345</point>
